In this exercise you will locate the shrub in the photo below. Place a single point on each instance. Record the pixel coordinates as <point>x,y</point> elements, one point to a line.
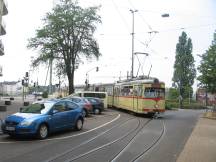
<point>172,104</point>
<point>45,94</point>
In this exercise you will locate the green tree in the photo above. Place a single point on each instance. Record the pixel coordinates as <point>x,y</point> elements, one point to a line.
<point>173,93</point>
<point>184,68</point>
<point>66,37</point>
<point>207,68</point>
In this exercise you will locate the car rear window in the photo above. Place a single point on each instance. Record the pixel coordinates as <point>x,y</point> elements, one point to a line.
<point>97,95</point>
<point>77,100</point>
<point>92,100</point>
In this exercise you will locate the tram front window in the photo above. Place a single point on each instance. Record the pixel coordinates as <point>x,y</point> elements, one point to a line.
<point>154,92</point>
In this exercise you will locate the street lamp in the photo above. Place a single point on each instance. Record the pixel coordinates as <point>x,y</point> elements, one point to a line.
<point>165,15</point>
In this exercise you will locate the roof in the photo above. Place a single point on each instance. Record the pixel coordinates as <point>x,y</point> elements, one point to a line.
<point>140,81</point>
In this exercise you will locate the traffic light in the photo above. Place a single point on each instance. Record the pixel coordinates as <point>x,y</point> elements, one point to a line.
<point>97,69</point>
<point>27,75</point>
<point>23,82</point>
<point>34,84</point>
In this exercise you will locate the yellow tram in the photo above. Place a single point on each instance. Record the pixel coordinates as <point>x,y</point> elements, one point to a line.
<point>138,95</point>
<point>145,96</point>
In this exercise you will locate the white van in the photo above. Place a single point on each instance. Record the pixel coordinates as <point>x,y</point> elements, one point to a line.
<point>102,95</point>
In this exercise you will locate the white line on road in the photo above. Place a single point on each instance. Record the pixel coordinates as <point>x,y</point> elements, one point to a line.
<point>66,137</point>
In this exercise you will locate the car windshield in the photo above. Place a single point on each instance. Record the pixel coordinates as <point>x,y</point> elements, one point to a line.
<point>38,108</point>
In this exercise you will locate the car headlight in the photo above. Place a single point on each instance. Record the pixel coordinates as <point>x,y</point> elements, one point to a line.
<point>26,122</point>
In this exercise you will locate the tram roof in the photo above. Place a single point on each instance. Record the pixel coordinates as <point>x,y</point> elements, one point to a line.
<point>140,81</point>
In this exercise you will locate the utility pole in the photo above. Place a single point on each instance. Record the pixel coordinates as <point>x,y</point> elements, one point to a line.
<point>132,65</point>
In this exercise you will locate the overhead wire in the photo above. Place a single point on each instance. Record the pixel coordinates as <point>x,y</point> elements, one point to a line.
<point>149,26</point>
<point>145,44</point>
<point>123,19</point>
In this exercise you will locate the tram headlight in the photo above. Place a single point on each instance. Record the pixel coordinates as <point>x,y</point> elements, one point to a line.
<point>156,106</point>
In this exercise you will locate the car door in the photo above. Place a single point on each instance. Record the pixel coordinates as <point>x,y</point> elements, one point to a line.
<point>59,117</point>
<point>72,113</point>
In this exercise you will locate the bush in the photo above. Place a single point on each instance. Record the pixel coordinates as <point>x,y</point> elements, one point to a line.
<point>45,94</point>
<point>193,106</point>
<point>172,104</point>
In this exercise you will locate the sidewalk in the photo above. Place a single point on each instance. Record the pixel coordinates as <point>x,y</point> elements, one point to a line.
<point>15,106</point>
<point>201,146</point>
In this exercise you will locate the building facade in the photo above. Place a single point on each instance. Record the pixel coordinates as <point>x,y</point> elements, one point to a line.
<point>205,98</point>
<point>13,88</point>
<point>3,12</point>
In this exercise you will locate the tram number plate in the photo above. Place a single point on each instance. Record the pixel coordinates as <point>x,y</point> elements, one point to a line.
<point>10,128</point>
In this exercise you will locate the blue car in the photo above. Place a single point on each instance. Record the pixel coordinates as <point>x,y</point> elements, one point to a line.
<point>44,117</point>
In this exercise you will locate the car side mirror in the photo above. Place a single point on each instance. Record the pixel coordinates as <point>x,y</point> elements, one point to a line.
<point>55,111</point>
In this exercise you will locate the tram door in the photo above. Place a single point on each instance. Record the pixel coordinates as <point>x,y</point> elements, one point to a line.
<point>116,96</point>
<point>137,101</point>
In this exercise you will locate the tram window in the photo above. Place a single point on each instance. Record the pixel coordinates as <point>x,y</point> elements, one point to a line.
<point>127,91</point>
<point>154,93</point>
<point>116,91</point>
<point>109,91</point>
<point>138,91</point>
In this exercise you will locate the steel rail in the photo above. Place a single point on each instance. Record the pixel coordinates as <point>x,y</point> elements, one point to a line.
<point>156,141</point>
<point>136,129</point>
<point>88,141</point>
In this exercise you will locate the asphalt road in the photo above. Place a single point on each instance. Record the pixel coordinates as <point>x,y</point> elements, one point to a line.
<point>112,136</point>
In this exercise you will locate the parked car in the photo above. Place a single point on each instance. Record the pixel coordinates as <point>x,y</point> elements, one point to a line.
<point>97,104</point>
<point>44,117</point>
<point>83,102</point>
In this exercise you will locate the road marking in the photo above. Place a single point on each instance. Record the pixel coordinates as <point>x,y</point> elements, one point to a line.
<point>66,137</point>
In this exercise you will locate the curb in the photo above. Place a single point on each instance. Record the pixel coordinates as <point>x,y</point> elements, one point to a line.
<point>210,115</point>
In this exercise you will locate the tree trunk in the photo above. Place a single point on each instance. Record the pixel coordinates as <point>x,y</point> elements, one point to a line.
<point>180,103</point>
<point>71,86</point>
<point>180,96</point>
<point>71,82</point>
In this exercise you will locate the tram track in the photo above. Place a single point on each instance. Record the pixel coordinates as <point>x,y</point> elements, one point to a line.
<point>108,131</point>
<point>136,130</point>
<point>157,141</point>
<point>140,155</point>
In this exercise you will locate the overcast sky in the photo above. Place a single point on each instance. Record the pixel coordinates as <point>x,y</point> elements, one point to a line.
<point>196,17</point>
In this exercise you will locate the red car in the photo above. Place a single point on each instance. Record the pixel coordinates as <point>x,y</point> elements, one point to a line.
<point>97,104</point>
<point>83,103</point>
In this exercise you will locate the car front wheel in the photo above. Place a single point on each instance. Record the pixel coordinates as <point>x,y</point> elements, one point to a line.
<point>42,131</point>
<point>79,124</point>
<point>96,111</point>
